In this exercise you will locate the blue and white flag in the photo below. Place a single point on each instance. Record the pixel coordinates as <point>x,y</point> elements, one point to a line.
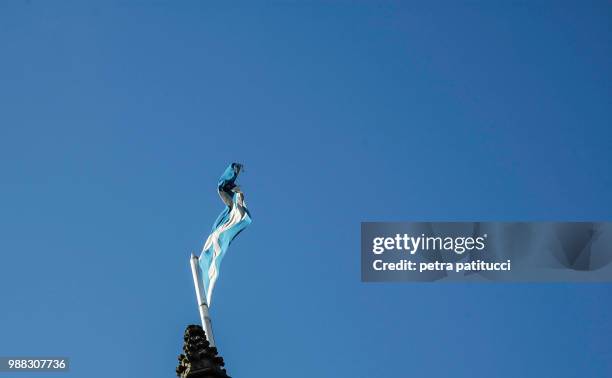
<point>232,220</point>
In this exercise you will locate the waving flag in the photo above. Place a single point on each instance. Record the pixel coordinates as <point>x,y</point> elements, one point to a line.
<point>232,220</point>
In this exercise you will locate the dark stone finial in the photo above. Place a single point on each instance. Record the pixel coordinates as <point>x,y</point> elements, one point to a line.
<point>199,359</point>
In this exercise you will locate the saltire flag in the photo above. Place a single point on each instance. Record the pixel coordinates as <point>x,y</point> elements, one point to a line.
<point>232,220</point>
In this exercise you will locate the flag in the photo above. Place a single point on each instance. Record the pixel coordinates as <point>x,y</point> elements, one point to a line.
<point>234,218</point>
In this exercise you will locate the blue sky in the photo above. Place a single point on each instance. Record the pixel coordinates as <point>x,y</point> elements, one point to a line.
<point>118,118</point>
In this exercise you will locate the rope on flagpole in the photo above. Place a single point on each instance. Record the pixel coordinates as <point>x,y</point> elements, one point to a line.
<point>201,298</point>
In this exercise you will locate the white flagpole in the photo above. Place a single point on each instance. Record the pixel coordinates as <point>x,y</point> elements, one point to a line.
<point>202,305</point>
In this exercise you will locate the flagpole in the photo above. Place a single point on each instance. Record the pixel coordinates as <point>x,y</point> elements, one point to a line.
<point>202,305</point>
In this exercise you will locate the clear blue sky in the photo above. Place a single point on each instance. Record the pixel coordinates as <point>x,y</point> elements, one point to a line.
<point>118,118</point>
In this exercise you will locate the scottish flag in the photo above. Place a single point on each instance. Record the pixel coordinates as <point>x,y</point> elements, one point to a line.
<point>232,220</point>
